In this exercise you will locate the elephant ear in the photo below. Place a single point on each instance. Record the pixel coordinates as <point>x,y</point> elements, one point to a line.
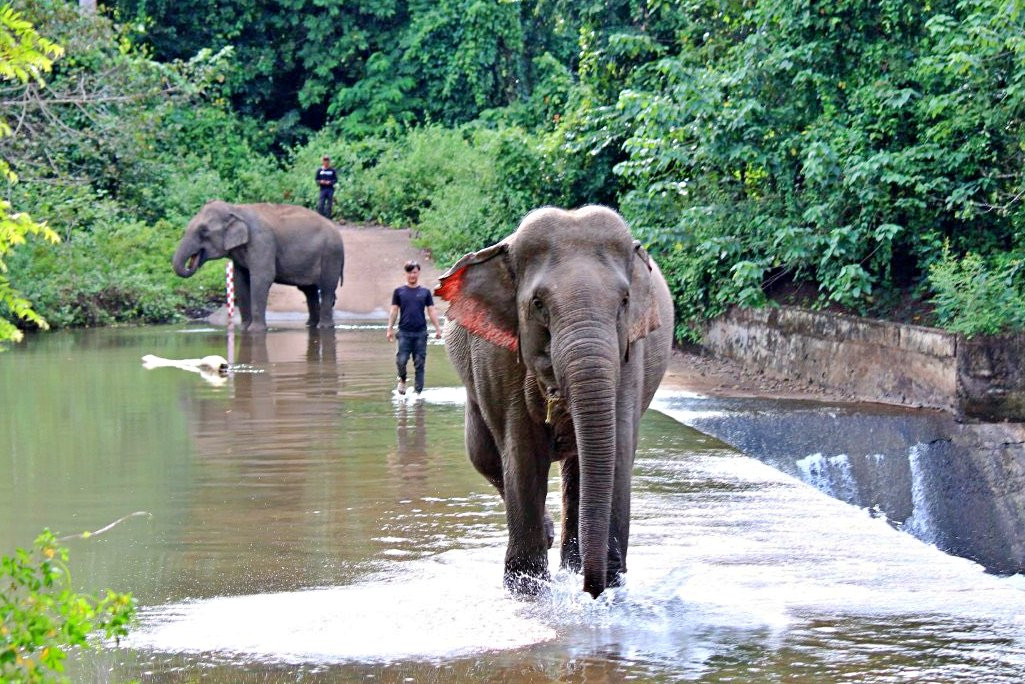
<point>644,316</point>
<point>481,291</point>
<point>236,232</point>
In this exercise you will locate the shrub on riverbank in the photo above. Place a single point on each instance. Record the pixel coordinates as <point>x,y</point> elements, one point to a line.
<point>975,296</point>
<point>43,618</point>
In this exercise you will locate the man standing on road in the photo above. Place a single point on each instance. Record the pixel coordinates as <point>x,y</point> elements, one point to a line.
<point>326,179</point>
<point>408,304</point>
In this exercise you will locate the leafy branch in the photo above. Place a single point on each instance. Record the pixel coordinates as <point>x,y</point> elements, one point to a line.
<point>41,617</point>
<point>24,57</point>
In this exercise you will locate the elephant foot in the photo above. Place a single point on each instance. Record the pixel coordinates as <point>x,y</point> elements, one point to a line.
<point>527,585</point>
<point>326,325</point>
<point>571,559</point>
<point>256,328</point>
<point>549,530</point>
<point>526,576</point>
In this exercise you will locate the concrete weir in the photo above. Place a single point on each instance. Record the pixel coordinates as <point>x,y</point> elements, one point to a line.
<point>892,363</point>
<point>960,482</point>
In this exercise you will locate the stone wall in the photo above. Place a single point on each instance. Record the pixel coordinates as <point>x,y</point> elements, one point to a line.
<point>991,377</point>
<point>879,361</point>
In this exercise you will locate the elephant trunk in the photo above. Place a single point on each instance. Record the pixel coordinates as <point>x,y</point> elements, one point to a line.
<point>592,405</point>
<point>187,258</point>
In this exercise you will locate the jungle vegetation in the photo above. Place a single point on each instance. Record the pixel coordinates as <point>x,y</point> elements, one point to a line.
<point>865,155</point>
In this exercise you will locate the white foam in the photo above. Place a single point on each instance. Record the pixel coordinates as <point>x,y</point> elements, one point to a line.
<point>433,615</point>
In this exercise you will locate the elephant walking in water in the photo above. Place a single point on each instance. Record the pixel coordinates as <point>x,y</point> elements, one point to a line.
<point>268,243</point>
<point>561,334</point>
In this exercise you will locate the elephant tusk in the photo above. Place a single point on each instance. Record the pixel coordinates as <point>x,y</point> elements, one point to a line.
<point>551,400</point>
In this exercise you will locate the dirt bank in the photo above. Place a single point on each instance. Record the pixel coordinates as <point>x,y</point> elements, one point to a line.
<point>373,268</point>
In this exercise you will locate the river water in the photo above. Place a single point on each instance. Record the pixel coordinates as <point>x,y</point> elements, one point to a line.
<point>308,525</point>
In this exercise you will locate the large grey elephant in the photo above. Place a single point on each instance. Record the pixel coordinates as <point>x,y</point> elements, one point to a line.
<point>269,243</point>
<point>561,334</point>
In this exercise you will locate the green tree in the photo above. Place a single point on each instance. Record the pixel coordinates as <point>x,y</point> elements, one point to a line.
<point>293,55</point>
<point>116,151</point>
<point>41,617</point>
<point>836,146</point>
<point>373,65</point>
<point>99,125</point>
<point>24,57</point>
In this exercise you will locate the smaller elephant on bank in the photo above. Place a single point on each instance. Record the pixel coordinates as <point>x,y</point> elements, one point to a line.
<point>268,243</point>
<point>561,334</point>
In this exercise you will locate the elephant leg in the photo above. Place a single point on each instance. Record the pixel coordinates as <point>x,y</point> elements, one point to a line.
<point>242,296</point>
<point>488,461</point>
<point>549,530</point>
<point>312,303</point>
<point>327,304</point>
<point>481,447</point>
<point>525,474</point>
<point>570,551</point>
<point>259,289</point>
<point>485,457</point>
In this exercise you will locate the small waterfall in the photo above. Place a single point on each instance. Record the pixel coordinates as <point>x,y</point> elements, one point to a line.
<point>829,474</point>
<point>920,524</point>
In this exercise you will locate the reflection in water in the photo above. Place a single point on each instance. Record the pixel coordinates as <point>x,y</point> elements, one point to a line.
<point>408,461</point>
<point>213,368</point>
<point>263,442</point>
<point>309,526</point>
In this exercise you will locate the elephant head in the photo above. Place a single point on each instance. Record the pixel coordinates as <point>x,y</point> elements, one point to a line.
<point>570,293</point>
<point>217,229</point>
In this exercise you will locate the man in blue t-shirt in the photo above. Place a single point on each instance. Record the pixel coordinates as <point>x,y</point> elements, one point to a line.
<point>408,304</point>
<point>326,179</point>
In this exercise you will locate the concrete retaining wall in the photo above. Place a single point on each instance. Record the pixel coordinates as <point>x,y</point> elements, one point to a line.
<point>991,377</point>
<point>879,361</point>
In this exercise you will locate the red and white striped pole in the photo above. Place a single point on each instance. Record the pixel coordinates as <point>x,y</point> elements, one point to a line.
<point>229,283</point>
<point>229,278</point>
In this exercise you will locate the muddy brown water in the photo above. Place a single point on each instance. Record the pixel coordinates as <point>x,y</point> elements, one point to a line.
<point>308,525</point>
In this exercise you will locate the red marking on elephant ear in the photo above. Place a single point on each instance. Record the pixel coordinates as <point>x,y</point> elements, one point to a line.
<point>473,314</point>
<point>448,288</point>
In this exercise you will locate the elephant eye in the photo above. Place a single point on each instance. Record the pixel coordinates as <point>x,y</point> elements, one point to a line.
<point>539,308</point>
<point>626,302</point>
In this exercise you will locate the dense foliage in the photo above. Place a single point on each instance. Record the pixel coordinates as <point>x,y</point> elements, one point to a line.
<point>41,617</point>
<point>852,152</point>
<point>369,65</point>
<point>842,146</point>
<point>115,151</point>
<point>24,56</point>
